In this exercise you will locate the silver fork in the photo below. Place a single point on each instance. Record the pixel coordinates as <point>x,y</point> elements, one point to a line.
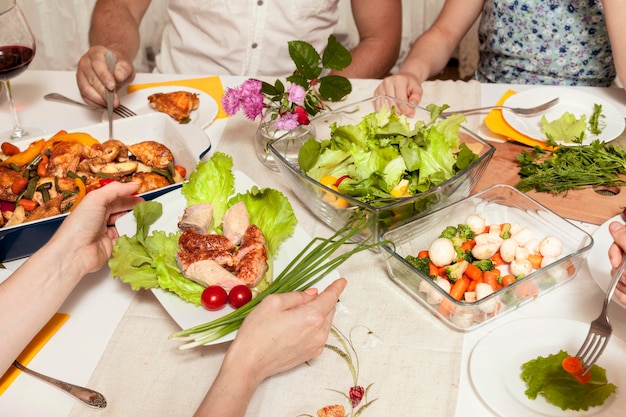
<point>120,110</point>
<point>600,329</point>
<point>529,111</point>
<point>88,396</point>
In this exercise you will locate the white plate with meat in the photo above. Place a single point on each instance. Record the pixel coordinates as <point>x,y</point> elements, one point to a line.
<point>138,102</point>
<point>185,314</point>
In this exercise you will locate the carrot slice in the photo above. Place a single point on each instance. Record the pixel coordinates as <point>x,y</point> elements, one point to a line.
<point>473,272</point>
<point>459,287</point>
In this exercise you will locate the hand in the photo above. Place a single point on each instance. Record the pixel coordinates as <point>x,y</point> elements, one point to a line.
<point>285,330</point>
<point>93,76</point>
<point>89,229</point>
<point>403,86</point>
<point>616,251</point>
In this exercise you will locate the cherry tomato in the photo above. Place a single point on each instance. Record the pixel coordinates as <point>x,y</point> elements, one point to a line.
<point>239,295</point>
<point>214,297</point>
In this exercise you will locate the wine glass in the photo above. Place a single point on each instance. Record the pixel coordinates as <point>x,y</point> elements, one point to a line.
<point>17,50</point>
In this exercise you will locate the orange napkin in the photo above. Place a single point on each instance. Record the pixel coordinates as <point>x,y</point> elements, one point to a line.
<point>33,348</point>
<point>496,123</point>
<point>210,85</point>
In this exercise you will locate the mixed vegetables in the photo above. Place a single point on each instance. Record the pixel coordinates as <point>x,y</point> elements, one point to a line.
<point>383,156</point>
<point>472,260</point>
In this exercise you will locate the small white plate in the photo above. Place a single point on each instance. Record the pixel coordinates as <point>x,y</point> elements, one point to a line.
<point>570,100</point>
<point>138,102</point>
<point>598,257</point>
<point>496,361</point>
<point>185,314</point>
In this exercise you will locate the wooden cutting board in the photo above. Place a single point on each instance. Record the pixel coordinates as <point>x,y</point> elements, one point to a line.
<point>583,205</point>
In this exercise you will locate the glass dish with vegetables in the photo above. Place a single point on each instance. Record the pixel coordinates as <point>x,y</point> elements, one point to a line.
<point>366,161</point>
<point>483,256</point>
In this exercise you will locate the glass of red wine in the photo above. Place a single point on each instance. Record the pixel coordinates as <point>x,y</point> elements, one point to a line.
<point>17,50</point>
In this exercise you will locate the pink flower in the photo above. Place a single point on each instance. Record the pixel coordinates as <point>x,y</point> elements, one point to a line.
<point>287,121</point>
<point>303,116</point>
<point>251,86</point>
<point>247,97</point>
<point>231,100</point>
<point>253,105</point>
<point>296,94</point>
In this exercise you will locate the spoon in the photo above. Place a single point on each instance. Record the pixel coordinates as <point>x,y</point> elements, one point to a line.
<point>90,397</point>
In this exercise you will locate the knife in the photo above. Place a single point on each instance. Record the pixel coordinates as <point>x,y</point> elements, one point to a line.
<point>110,94</point>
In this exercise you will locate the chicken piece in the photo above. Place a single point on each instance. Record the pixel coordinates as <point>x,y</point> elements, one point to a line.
<point>7,178</point>
<point>149,181</point>
<point>114,169</point>
<point>109,151</point>
<point>209,272</point>
<point>152,153</point>
<point>197,217</point>
<point>191,241</point>
<point>224,259</point>
<point>235,222</point>
<point>178,104</point>
<point>252,256</point>
<point>66,156</point>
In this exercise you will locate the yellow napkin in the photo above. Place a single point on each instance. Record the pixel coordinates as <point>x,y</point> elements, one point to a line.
<point>496,123</point>
<point>33,348</point>
<point>210,85</point>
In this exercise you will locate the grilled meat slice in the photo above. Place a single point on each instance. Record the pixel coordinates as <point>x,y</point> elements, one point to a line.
<point>209,272</point>
<point>235,222</point>
<point>7,177</point>
<point>224,259</point>
<point>151,153</point>
<point>149,181</point>
<point>252,256</point>
<point>66,156</point>
<point>191,241</point>
<point>178,104</point>
<point>197,217</point>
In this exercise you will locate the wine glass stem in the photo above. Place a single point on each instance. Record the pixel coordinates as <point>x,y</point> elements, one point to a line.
<point>18,132</point>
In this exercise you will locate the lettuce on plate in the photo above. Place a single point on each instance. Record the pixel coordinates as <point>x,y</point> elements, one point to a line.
<point>147,260</point>
<point>567,128</point>
<point>383,149</point>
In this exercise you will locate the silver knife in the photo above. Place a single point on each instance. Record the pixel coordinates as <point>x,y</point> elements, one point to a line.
<point>110,94</point>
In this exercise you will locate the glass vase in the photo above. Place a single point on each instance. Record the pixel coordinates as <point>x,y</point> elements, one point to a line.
<point>287,143</point>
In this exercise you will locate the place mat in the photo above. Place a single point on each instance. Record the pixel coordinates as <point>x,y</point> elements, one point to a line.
<point>496,123</point>
<point>33,348</point>
<point>210,85</point>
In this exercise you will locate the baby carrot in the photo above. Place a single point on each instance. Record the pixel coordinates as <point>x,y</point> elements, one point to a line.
<point>459,287</point>
<point>422,254</point>
<point>497,259</point>
<point>491,278</point>
<point>527,289</point>
<point>535,260</point>
<point>473,272</point>
<point>433,271</point>
<point>508,280</point>
<point>468,245</point>
<point>574,367</point>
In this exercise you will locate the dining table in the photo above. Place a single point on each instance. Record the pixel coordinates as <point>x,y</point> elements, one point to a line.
<point>408,362</point>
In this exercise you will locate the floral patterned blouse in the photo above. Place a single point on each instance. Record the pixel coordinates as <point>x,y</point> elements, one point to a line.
<point>552,42</point>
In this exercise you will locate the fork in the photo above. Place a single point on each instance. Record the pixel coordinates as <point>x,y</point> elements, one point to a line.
<point>88,396</point>
<point>529,111</point>
<point>600,329</point>
<point>120,110</point>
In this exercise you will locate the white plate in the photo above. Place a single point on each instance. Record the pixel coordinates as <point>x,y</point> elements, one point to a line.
<point>137,101</point>
<point>495,366</point>
<point>598,257</point>
<point>570,100</point>
<point>185,314</point>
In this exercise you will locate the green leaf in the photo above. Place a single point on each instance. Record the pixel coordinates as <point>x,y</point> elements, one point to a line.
<point>334,87</point>
<point>146,214</point>
<point>308,154</point>
<point>336,56</point>
<point>299,80</point>
<point>306,59</point>
<point>272,90</point>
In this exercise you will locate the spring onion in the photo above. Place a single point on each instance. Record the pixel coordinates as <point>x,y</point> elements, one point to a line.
<point>305,270</point>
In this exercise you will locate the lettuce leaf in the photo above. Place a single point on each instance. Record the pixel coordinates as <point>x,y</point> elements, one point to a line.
<point>546,377</point>
<point>566,128</point>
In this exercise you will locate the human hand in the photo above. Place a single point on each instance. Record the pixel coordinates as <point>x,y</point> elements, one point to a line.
<point>403,86</point>
<point>93,76</point>
<point>616,251</point>
<point>283,331</point>
<point>89,230</point>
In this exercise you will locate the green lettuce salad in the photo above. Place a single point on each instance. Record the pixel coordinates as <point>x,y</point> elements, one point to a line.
<point>383,149</point>
<point>545,376</point>
<point>148,260</point>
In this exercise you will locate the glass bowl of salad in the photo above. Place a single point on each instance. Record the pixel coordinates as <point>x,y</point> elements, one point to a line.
<point>481,257</point>
<point>365,160</point>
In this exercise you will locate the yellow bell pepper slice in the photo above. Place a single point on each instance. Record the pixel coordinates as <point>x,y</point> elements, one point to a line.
<point>24,157</point>
<point>82,190</point>
<point>75,137</point>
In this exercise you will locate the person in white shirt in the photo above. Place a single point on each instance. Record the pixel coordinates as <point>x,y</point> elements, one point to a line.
<point>225,37</point>
<point>283,331</point>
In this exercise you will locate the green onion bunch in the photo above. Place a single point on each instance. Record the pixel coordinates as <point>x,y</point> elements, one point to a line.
<point>311,265</point>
